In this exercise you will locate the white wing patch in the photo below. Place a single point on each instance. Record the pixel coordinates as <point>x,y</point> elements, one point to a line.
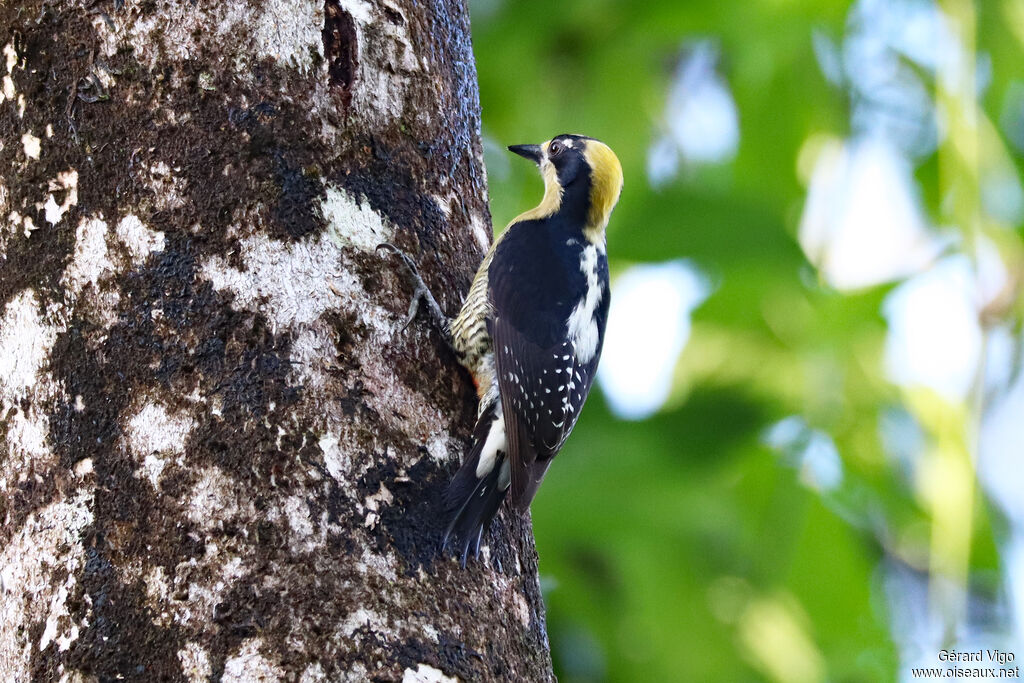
<point>582,325</point>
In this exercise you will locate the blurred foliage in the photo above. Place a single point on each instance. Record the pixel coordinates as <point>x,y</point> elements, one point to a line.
<point>683,547</point>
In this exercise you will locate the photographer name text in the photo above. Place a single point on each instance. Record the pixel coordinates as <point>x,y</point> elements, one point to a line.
<point>997,656</point>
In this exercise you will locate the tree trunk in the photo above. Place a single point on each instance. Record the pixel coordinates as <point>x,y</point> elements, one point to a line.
<point>220,457</point>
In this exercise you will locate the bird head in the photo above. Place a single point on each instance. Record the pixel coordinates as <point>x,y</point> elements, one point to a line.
<point>579,173</point>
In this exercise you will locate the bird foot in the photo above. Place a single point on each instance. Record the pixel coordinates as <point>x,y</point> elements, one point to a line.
<point>421,295</point>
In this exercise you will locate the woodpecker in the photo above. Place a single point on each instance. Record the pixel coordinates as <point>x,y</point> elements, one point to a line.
<point>530,332</point>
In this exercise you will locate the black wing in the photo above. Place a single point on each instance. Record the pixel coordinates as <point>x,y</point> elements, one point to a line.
<point>535,282</point>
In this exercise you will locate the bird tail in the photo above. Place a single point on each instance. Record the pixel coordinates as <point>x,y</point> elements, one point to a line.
<point>472,502</point>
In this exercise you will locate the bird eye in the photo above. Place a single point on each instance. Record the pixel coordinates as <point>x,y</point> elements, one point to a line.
<point>555,148</point>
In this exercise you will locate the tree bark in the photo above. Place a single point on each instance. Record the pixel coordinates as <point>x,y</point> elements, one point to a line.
<point>220,457</point>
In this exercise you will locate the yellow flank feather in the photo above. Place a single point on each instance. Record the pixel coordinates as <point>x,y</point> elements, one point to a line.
<point>606,185</point>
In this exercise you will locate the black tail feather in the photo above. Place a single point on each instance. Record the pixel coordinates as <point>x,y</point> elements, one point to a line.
<point>475,514</point>
<point>471,502</point>
<point>490,508</point>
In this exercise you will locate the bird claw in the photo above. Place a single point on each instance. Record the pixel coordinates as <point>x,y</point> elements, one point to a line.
<point>420,294</point>
<point>414,306</point>
<point>405,259</point>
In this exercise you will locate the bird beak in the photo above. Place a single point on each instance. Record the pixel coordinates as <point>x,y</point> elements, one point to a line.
<point>531,152</point>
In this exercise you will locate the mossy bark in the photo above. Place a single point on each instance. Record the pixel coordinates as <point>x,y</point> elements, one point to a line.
<point>219,455</point>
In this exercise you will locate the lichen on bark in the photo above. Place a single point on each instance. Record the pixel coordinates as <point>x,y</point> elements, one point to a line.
<point>219,455</point>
